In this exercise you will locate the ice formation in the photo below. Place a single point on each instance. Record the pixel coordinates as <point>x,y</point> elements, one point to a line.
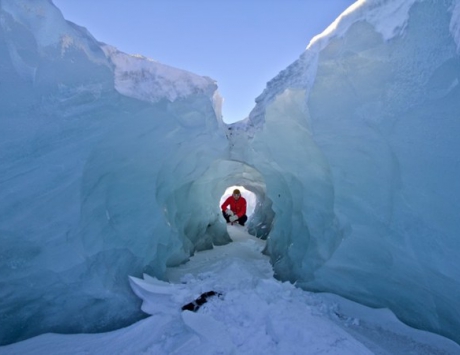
<point>113,165</point>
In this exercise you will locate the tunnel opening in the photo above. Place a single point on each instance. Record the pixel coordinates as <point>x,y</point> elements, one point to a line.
<point>200,217</point>
<point>292,183</point>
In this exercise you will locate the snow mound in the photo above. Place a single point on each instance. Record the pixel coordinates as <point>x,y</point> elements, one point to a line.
<point>147,80</point>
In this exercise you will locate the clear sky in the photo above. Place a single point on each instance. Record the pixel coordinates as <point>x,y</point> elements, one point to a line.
<point>242,44</point>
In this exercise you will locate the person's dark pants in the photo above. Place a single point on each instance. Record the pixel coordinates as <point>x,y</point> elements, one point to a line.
<point>242,220</point>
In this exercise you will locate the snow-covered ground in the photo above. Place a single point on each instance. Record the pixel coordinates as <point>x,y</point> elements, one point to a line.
<point>256,314</point>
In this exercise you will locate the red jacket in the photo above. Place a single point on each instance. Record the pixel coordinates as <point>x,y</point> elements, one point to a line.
<point>237,206</point>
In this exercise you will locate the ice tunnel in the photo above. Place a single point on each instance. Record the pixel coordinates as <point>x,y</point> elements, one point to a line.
<point>210,187</point>
<point>113,165</point>
<point>197,211</point>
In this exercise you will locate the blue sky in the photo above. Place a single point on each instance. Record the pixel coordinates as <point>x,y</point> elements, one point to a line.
<point>242,44</point>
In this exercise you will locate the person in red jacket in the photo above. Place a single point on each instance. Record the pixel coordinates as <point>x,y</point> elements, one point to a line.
<point>234,208</point>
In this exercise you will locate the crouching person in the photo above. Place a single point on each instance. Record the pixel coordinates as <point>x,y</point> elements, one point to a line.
<point>234,208</point>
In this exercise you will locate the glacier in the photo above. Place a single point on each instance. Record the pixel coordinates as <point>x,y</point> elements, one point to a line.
<point>114,165</point>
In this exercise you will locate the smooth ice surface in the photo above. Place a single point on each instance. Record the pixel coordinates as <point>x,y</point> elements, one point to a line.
<point>113,165</point>
<point>256,315</point>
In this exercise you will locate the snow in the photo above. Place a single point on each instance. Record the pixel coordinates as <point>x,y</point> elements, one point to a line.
<point>389,18</point>
<point>256,314</point>
<point>147,80</point>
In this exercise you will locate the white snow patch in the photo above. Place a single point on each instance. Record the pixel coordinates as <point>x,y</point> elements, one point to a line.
<point>145,79</point>
<point>389,18</point>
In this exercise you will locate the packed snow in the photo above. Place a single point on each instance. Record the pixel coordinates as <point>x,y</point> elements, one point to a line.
<point>255,315</point>
<point>389,18</point>
<point>113,166</point>
<point>144,79</point>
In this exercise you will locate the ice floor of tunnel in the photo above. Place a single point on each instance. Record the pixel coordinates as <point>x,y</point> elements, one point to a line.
<point>244,254</point>
<point>266,316</point>
<point>256,314</point>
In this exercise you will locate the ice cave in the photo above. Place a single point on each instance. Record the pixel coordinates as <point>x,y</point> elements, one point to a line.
<point>351,153</point>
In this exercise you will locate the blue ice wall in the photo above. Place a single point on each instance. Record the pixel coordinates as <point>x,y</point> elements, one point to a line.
<point>93,183</point>
<point>383,108</point>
